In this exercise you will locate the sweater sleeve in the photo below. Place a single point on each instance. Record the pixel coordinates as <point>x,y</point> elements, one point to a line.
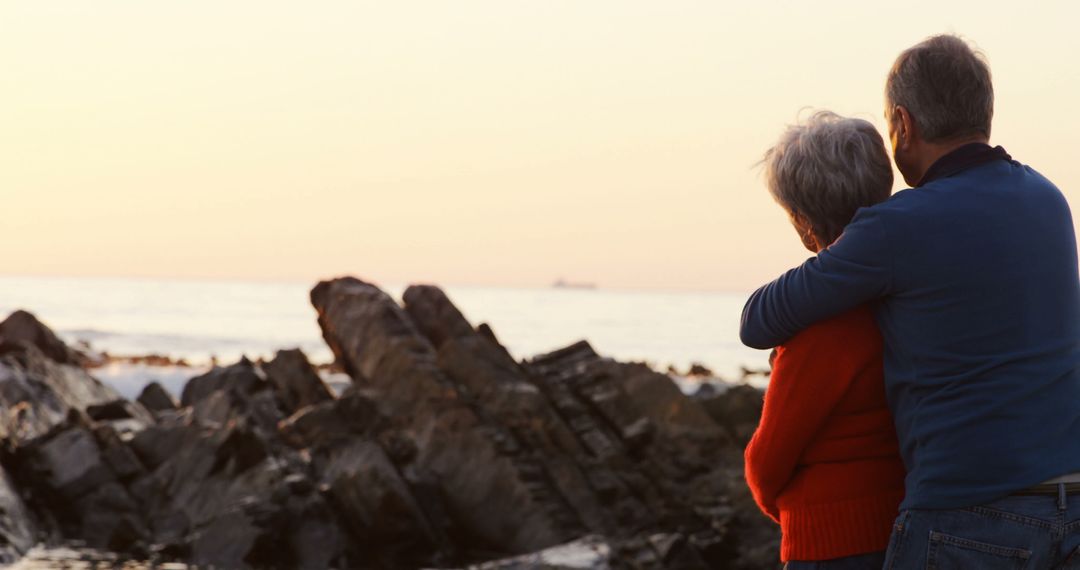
<point>810,376</point>
<point>853,270</point>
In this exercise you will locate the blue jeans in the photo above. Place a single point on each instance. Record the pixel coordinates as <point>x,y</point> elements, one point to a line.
<point>872,561</point>
<point>1017,532</point>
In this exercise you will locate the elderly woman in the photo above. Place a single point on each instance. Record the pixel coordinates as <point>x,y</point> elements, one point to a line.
<point>824,461</point>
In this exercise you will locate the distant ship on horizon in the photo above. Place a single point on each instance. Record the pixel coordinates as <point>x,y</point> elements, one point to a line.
<point>561,283</point>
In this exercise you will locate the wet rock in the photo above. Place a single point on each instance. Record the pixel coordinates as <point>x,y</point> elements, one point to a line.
<point>156,398</point>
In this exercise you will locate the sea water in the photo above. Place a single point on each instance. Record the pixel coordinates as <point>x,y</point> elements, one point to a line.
<point>201,320</point>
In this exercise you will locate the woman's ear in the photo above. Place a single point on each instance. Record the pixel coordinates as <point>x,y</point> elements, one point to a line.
<point>806,232</point>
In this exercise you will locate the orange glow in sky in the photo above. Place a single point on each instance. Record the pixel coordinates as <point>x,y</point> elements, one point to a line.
<point>495,142</point>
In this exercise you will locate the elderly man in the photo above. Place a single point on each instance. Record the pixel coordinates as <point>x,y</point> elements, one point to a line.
<point>975,274</point>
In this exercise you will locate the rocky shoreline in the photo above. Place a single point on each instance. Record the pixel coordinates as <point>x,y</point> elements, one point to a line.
<point>444,451</point>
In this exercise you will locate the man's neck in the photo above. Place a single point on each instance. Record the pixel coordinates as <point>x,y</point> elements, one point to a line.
<point>933,151</point>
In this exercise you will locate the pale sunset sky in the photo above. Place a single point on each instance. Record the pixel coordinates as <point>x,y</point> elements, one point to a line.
<point>492,142</point>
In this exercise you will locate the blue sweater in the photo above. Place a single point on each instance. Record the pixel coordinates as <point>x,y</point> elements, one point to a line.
<point>978,299</point>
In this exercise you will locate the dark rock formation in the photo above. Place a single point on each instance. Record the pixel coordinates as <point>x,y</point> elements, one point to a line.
<point>22,327</point>
<point>698,369</point>
<point>444,451</point>
<point>18,533</point>
<point>576,443</point>
<point>296,383</point>
<point>503,504</point>
<point>214,483</point>
<point>39,396</point>
<point>156,398</point>
<point>38,393</point>
<point>737,409</point>
<point>241,379</point>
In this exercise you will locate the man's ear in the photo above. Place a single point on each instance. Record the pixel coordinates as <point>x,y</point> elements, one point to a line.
<point>905,127</point>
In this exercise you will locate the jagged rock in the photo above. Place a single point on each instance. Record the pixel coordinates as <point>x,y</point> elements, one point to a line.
<point>110,518</point>
<point>241,378</point>
<point>598,445</point>
<point>227,496</point>
<point>355,453</point>
<point>22,327</point>
<point>332,422</point>
<point>682,481</point>
<point>120,458</point>
<point>72,485</point>
<point>226,541</point>
<point>295,381</point>
<point>18,533</point>
<point>485,331</point>
<point>365,486</point>
<point>156,444</point>
<point>30,408</point>
<point>156,398</point>
<point>434,315</point>
<point>37,393</point>
<point>534,433</point>
<point>737,409</point>
<point>125,416</point>
<point>490,494</point>
<point>656,397</point>
<point>315,537</point>
<point>443,451</point>
<point>70,462</point>
<point>698,369</point>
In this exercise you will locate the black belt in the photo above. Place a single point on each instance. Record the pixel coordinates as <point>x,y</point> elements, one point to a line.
<point>1050,489</point>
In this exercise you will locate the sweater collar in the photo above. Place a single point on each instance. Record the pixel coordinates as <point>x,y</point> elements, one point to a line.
<point>961,159</point>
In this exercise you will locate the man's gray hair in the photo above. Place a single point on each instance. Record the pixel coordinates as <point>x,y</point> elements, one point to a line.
<point>826,168</point>
<point>945,85</point>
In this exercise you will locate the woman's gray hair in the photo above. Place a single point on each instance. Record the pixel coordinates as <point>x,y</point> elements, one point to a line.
<point>826,168</point>
<point>946,87</point>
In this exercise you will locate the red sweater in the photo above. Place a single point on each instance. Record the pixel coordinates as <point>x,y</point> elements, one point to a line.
<point>824,461</point>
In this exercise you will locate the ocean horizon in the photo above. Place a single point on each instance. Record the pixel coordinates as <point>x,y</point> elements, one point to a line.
<point>205,321</point>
